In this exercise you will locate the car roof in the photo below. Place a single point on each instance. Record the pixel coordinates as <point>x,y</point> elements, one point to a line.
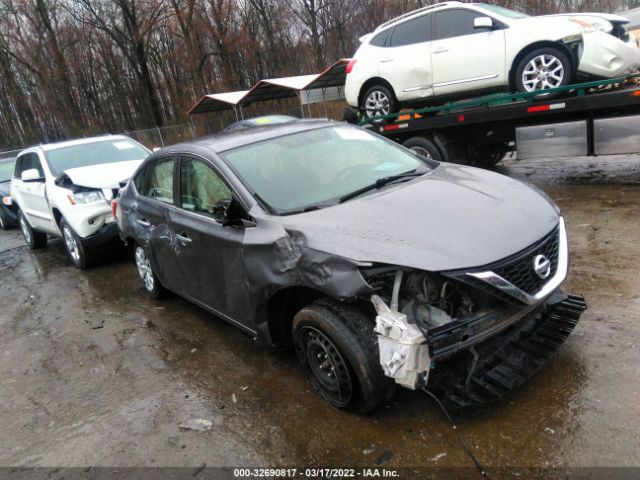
<point>80,141</point>
<point>417,13</point>
<point>230,139</point>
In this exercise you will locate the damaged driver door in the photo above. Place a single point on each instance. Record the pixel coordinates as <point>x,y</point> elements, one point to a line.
<point>208,251</point>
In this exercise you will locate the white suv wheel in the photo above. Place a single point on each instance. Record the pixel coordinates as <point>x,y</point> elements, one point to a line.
<point>376,104</point>
<point>543,72</point>
<point>70,242</point>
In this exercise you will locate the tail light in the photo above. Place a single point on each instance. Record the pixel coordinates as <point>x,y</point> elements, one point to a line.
<point>114,208</point>
<point>350,65</point>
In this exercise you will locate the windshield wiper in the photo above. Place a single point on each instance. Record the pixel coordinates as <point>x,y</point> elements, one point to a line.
<point>381,182</point>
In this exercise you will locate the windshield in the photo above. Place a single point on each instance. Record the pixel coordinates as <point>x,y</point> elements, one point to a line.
<point>505,12</point>
<point>94,153</point>
<point>6,170</point>
<point>318,167</point>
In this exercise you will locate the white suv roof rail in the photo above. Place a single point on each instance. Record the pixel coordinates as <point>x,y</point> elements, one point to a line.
<point>413,12</point>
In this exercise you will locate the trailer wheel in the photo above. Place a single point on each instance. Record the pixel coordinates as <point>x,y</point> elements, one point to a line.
<point>425,147</point>
<point>486,158</point>
<point>542,69</point>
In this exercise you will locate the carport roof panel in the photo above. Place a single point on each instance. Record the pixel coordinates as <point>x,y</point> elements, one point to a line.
<point>216,102</point>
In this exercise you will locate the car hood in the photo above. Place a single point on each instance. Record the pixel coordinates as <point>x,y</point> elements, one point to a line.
<point>106,175</point>
<point>454,217</point>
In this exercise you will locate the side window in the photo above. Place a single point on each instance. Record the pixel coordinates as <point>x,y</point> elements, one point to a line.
<point>417,30</point>
<point>455,23</point>
<point>201,188</point>
<point>381,39</point>
<point>156,180</point>
<point>28,161</point>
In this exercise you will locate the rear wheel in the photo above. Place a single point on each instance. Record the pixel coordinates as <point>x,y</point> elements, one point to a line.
<point>150,282</point>
<point>5,223</point>
<point>378,101</point>
<point>81,256</point>
<point>543,69</point>
<point>33,238</point>
<point>339,350</point>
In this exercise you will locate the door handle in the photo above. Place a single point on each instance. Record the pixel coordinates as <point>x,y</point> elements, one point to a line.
<point>183,238</point>
<point>385,60</point>
<point>143,223</point>
<point>441,50</point>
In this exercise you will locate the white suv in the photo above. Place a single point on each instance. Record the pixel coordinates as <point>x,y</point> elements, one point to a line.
<point>452,48</point>
<point>65,189</point>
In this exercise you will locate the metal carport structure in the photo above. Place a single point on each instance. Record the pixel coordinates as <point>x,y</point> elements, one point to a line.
<point>314,88</point>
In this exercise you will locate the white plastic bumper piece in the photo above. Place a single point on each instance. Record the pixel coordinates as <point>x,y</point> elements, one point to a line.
<point>404,354</point>
<point>607,56</point>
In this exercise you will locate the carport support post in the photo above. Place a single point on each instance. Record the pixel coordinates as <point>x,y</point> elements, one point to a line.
<point>301,105</point>
<point>324,102</point>
<point>160,135</point>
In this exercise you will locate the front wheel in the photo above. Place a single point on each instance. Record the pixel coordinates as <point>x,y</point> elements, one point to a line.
<point>543,69</point>
<point>33,238</point>
<point>79,254</point>
<point>339,350</point>
<point>378,101</point>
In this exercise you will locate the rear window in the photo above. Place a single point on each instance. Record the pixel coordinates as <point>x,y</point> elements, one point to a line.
<point>95,153</point>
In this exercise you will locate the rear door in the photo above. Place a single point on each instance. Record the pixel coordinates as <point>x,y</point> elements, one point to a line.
<point>405,61</point>
<point>209,253</point>
<point>32,196</point>
<point>465,58</point>
<point>151,217</point>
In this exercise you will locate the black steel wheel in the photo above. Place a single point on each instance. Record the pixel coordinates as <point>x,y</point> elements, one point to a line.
<point>327,367</point>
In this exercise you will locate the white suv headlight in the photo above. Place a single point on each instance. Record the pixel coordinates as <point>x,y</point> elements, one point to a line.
<point>593,23</point>
<point>92,196</point>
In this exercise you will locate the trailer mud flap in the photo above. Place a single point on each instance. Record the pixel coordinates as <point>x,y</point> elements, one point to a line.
<point>505,362</point>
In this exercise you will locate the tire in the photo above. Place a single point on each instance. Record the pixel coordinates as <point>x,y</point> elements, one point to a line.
<point>34,239</point>
<point>425,147</point>
<point>81,256</point>
<point>535,71</point>
<point>150,283</point>
<point>486,159</point>
<point>5,222</point>
<point>339,350</point>
<point>377,101</point>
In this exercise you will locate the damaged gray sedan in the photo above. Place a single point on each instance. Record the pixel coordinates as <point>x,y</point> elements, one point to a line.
<point>381,267</point>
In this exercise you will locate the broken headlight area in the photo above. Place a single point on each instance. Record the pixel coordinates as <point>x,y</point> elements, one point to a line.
<point>86,197</point>
<point>410,306</point>
<point>428,324</point>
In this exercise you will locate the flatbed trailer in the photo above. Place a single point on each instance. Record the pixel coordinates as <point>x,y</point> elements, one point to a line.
<point>593,118</point>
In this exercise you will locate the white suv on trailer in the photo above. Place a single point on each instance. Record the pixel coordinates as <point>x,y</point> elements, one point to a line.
<point>455,48</point>
<point>65,189</point>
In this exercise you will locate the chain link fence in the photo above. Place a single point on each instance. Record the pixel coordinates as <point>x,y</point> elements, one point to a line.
<point>151,138</point>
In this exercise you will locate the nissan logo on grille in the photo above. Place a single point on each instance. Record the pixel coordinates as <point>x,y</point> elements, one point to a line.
<point>542,266</point>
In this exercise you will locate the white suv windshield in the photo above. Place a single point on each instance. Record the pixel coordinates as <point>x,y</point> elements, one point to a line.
<point>6,170</point>
<point>505,12</point>
<point>318,167</point>
<point>94,153</point>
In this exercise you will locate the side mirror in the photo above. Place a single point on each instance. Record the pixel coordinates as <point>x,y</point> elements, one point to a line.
<point>482,22</point>
<point>31,175</point>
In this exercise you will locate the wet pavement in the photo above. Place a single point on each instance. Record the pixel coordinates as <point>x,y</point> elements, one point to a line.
<point>76,395</point>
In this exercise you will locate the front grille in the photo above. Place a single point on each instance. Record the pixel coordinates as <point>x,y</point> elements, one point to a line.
<point>518,269</point>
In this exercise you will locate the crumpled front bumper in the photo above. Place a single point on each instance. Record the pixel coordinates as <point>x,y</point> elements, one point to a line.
<point>505,361</point>
<point>604,55</point>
